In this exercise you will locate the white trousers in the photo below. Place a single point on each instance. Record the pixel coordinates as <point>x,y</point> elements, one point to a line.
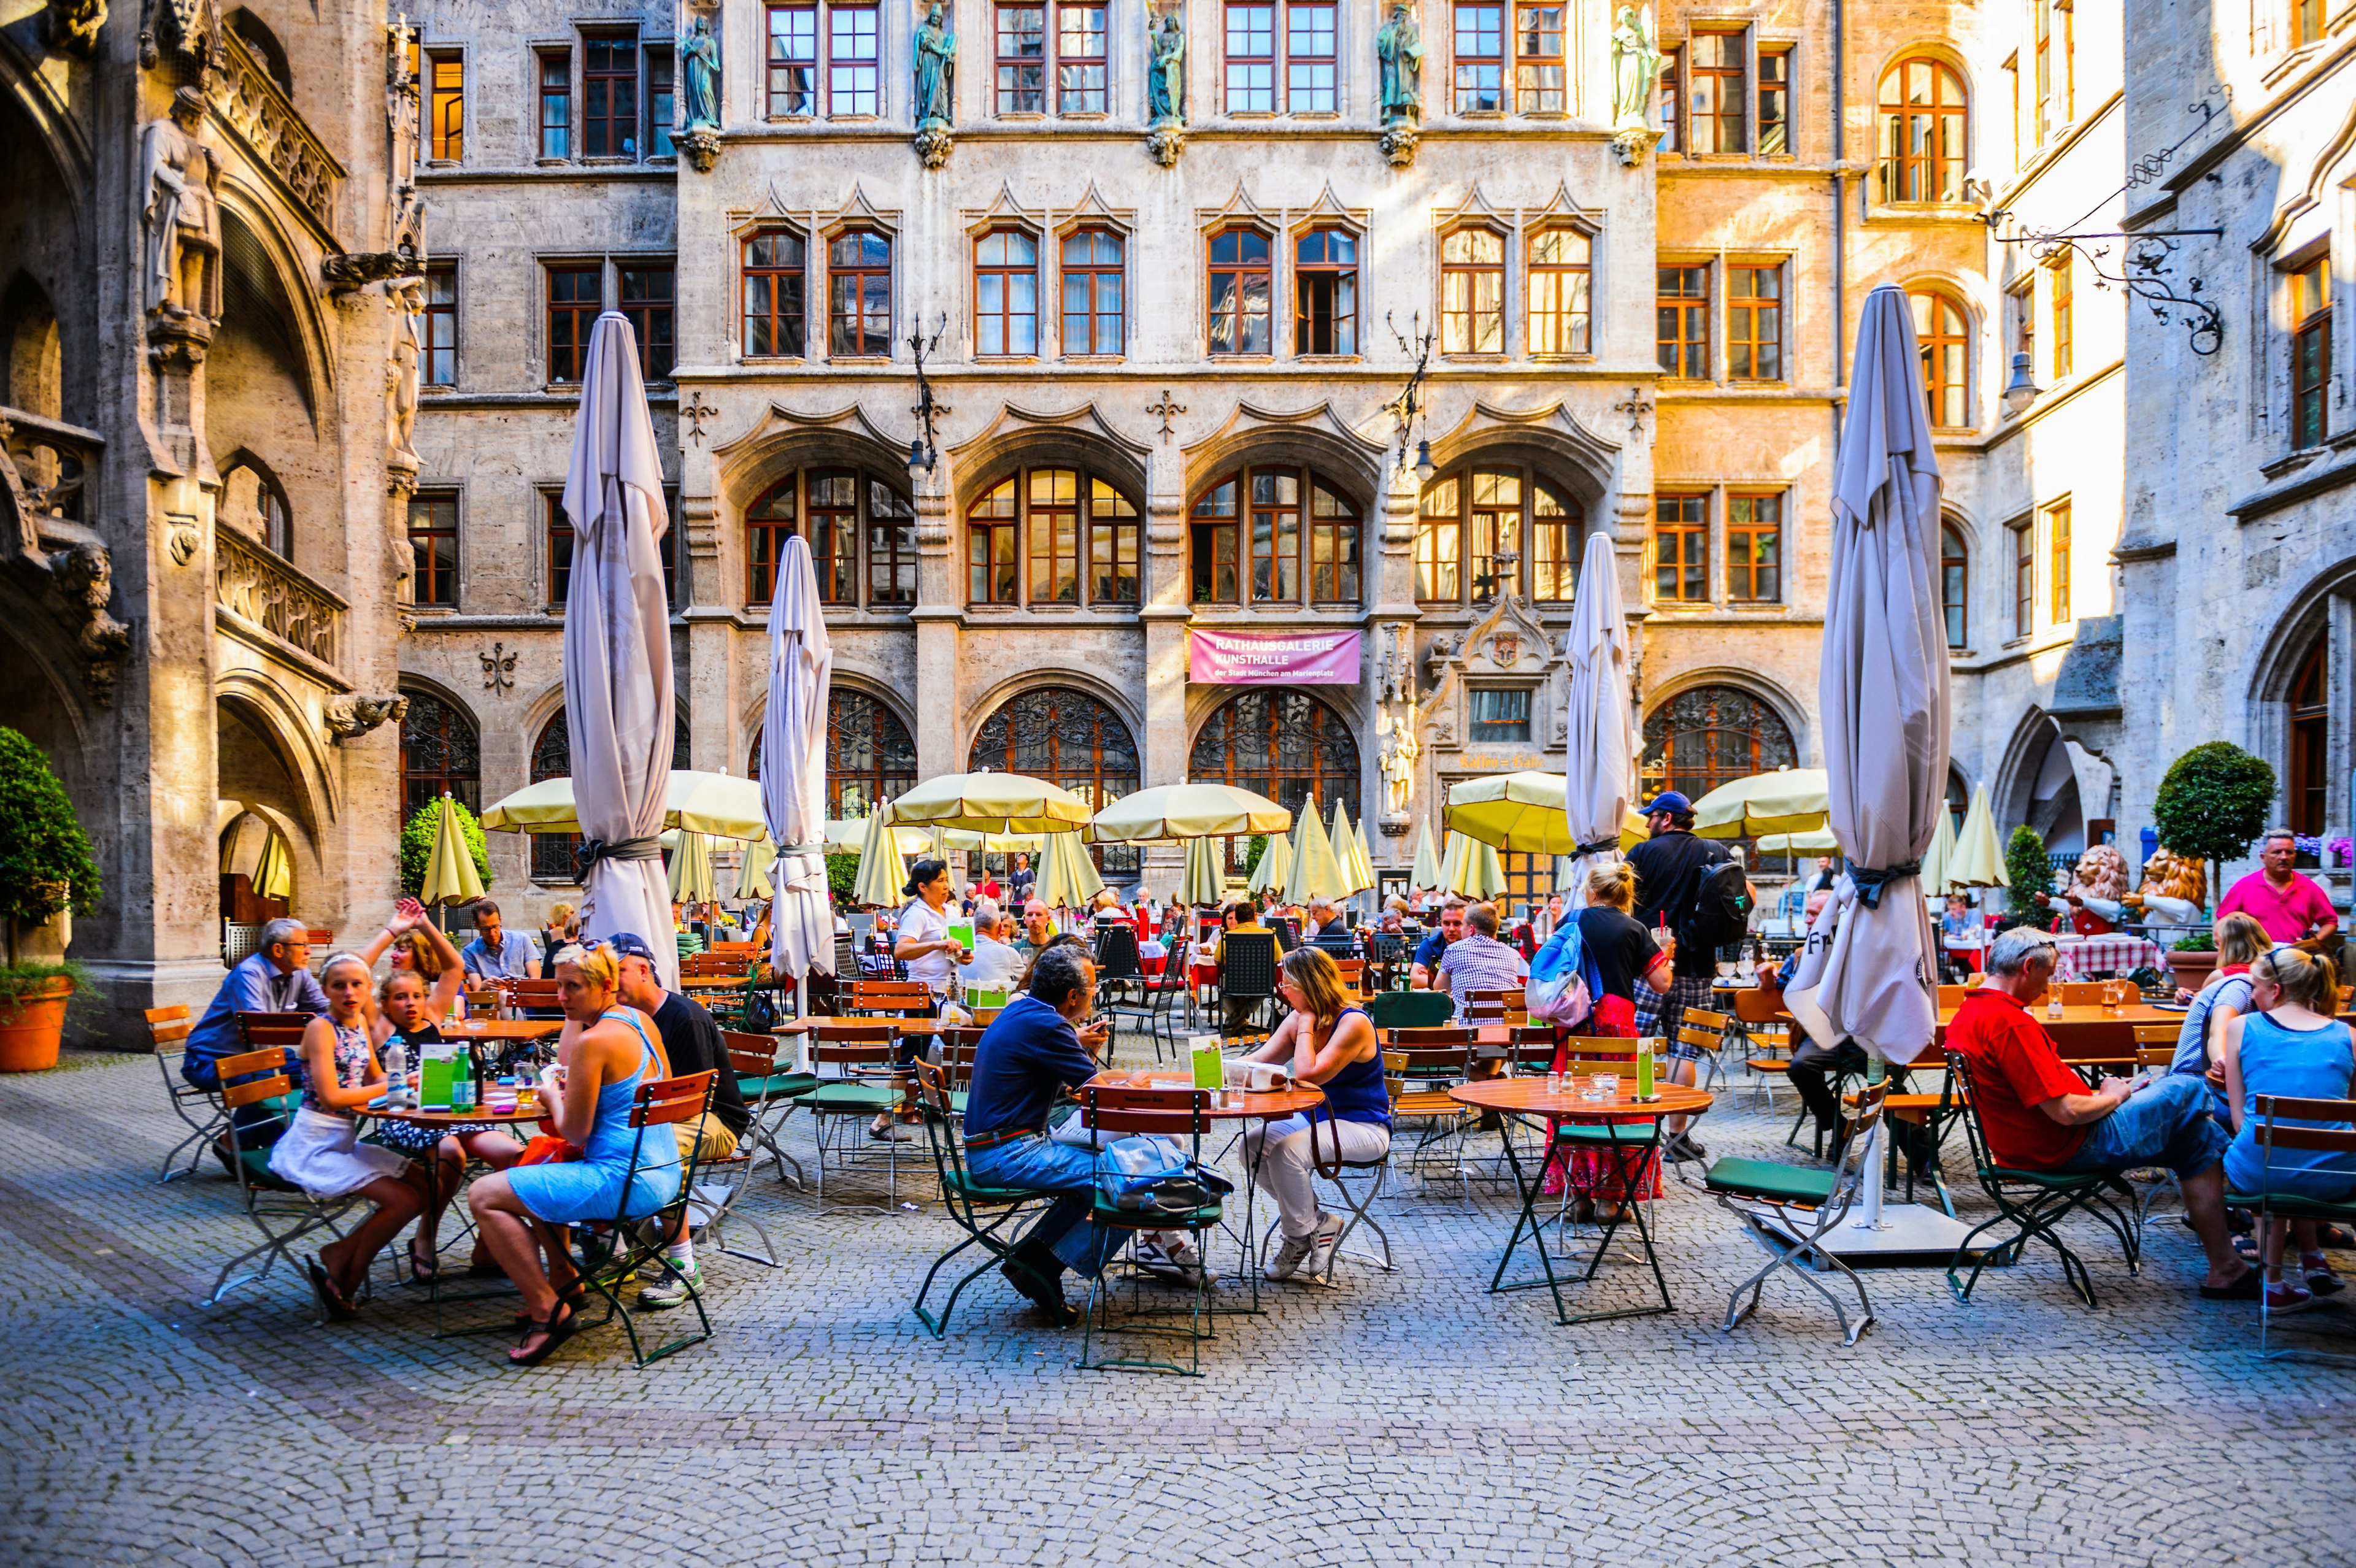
<point>1281,1151</point>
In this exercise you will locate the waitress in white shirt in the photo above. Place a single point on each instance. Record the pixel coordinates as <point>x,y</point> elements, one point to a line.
<point>924,944</point>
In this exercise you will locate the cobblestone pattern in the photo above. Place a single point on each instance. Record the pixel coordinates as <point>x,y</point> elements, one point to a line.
<point>1402,1417</point>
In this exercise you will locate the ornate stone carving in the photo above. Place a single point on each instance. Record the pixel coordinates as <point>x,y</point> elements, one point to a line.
<point>701,144</point>
<point>178,176</point>
<point>180,27</point>
<point>349,718</point>
<point>1165,143</point>
<point>1435,658</point>
<point>269,594</point>
<point>81,579</point>
<point>400,461</point>
<point>253,108</point>
<point>1635,73</point>
<point>1398,144</point>
<point>936,97</point>
<point>348,270</point>
<point>182,539</point>
<point>73,24</point>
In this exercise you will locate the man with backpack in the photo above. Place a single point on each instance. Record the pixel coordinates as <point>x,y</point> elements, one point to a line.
<point>1693,897</point>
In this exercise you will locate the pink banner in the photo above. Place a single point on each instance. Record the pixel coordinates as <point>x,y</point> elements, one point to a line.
<point>1252,658</point>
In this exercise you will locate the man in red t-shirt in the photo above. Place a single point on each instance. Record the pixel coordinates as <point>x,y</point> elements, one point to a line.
<point>2291,907</point>
<point>2038,1115</point>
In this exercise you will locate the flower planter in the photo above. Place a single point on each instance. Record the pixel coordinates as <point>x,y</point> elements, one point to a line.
<point>2192,969</point>
<point>31,1027</point>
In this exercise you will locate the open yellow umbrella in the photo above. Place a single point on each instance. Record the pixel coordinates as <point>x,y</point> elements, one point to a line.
<point>1206,881</point>
<point>992,802</point>
<point>1426,873</point>
<point>449,868</point>
<point>1790,800</point>
<point>1523,811</point>
<point>1345,851</point>
<point>1274,872</point>
<point>1820,842</point>
<point>718,804</point>
<point>1067,877</point>
<point>1472,867</point>
<point>881,872</point>
<point>753,870</point>
<point>692,880</point>
<point>1186,811</point>
<point>1977,862</point>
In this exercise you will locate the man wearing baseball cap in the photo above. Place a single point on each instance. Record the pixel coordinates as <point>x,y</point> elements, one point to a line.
<point>1669,867</point>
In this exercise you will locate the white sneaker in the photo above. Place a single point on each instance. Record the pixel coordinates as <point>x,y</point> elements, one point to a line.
<point>1322,1242</point>
<point>1169,1256</point>
<point>1288,1259</point>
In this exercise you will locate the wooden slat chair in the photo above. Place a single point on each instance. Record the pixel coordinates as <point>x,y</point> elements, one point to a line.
<point>259,1082</point>
<point>721,1183</point>
<point>1806,1206</point>
<point>535,998</point>
<point>890,998</point>
<point>1761,1013</point>
<point>1419,1066</point>
<point>2155,1050</point>
<point>1934,1113</point>
<point>612,1254</point>
<point>990,1217</point>
<point>2032,1202</point>
<point>711,966</point>
<point>2079,993</point>
<point>770,1090</point>
<point>858,1080</point>
<point>1179,1114</point>
<point>1951,997</point>
<point>740,953</point>
<point>167,1031</point>
<point>2294,1128</point>
<point>1706,1030</point>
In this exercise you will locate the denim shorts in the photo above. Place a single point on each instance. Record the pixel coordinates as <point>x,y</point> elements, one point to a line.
<point>2165,1124</point>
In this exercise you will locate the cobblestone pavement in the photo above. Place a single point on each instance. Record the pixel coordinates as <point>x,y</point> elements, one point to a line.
<point>1407,1417</point>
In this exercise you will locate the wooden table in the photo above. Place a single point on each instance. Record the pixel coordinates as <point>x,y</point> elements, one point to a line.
<point>508,1030</point>
<point>1529,1100</point>
<point>446,1119</point>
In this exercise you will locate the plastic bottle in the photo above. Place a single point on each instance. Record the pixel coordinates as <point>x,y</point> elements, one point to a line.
<point>1646,1088</point>
<point>463,1080</point>
<point>396,1074</point>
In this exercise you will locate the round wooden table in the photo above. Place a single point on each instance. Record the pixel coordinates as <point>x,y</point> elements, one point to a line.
<point>1529,1100</point>
<point>508,1030</point>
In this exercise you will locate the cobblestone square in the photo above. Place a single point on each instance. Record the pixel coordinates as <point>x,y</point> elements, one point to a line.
<point>1407,1417</point>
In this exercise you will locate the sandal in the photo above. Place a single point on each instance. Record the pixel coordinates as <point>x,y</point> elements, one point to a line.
<point>578,1300</point>
<point>423,1272</point>
<point>2245,1288</point>
<point>332,1305</point>
<point>559,1326</point>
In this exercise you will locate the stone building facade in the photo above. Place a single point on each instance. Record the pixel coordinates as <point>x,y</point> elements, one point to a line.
<point>200,258</point>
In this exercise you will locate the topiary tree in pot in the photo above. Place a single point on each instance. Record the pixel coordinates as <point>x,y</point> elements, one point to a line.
<point>2030,873</point>
<point>47,876</point>
<point>2212,802</point>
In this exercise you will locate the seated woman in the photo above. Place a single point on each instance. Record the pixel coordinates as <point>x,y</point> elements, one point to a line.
<point>563,930</point>
<point>411,1005</point>
<point>1333,1045</point>
<point>2291,1046</point>
<point>2201,1041</point>
<point>320,1151</point>
<point>606,1052</point>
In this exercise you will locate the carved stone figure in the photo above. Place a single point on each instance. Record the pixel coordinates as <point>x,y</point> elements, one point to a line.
<point>401,387</point>
<point>1166,78</point>
<point>1635,69</point>
<point>74,24</point>
<point>698,60</point>
<point>1398,44</point>
<point>936,70</point>
<point>84,577</point>
<point>2175,889</point>
<point>349,718</point>
<point>178,25</point>
<point>179,175</point>
<point>1398,759</point>
<point>1435,657</point>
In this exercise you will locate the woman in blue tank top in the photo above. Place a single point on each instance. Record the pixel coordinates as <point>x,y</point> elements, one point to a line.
<point>1327,1043</point>
<point>2289,1045</point>
<point>606,1052</point>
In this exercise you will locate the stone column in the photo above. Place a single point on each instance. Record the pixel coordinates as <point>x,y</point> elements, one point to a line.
<point>1165,745</point>
<point>1391,666</point>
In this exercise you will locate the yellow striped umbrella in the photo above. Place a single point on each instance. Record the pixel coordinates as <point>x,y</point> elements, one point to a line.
<point>881,872</point>
<point>1275,868</point>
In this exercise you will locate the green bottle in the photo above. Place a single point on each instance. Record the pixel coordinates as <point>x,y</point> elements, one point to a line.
<point>464,1083</point>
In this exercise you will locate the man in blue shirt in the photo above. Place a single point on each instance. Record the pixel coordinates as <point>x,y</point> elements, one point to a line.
<point>493,954</point>
<point>1435,943</point>
<point>275,979</point>
<point>1024,1061</point>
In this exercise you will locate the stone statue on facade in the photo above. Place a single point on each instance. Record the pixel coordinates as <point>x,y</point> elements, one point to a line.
<point>73,24</point>
<point>1165,88</point>
<point>1400,752</point>
<point>1398,45</point>
<point>698,61</point>
<point>400,461</point>
<point>349,718</point>
<point>935,88</point>
<point>178,176</point>
<point>1635,73</point>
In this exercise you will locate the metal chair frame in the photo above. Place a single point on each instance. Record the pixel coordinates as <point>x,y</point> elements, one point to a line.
<point>985,1214</point>
<point>167,1031</point>
<point>2279,1126</point>
<point>283,1212</point>
<point>1171,1112</point>
<point>1250,973</point>
<point>1843,1185</point>
<point>874,1062</point>
<point>610,1255</point>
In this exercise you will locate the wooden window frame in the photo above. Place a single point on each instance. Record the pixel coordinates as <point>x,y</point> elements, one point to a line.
<point>863,344</point>
<point>1729,85</point>
<point>556,540</point>
<point>1113,540</point>
<point>653,316</point>
<point>2055,520</point>
<point>1243,271</point>
<point>662,74</point>
<point>1568,328</point>
<point>1676,343</point>
<point>1308,530</point>
<point>2306,782</point>
<point>1054,530</point>
<point>1462,311</point>
<point>1670,91</point>
<point>1434,528</point>
<point>1939,350</point>
<point>1492,23</point>
<point>1073,88</point>
<point>858,78</point>
<point>1753,576</point>
<point>2061,302</point>
<point>621,96</point>
<point>437,326</point>
<point>1911,177</point>
<point>2024,577</point>
<point>1688,565</point>
<point>1495,731</point>
<point>1008,276</point>
<point>1018,84</point>
<point>431,586</point>
<point>1955,572</point>
<point>1776,95</point>
<point>578,319</point>
<point>2309,291</point>
<point>779,88</point>
<point>1312,74</point>
<point>445,122</point>
<point>558,95</point>
<point>1754,323</point>
<point>1530,65</point>
<point>1236,91</point>
<point>777,317</point>
<point>1092,273</point>
<point>1341,281</point>
<point>891,547</point>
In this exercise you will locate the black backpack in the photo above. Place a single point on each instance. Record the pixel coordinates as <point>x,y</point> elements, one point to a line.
<point>1720,911</point>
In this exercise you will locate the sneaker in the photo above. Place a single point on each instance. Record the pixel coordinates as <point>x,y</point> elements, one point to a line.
<point>1289,1258</point>
<point>2284,1297</point>
<point>895,1131</point>
<point>2320,1280</point>
<point>1322,1242</point>
<point>672,1290</point>
<point>1174,1258</point>
<point>1682,1147</point>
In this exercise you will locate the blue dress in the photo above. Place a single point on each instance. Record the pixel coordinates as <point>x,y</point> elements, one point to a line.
<point>1357,1092</point>
<point>2307,1064</point>
<point>567,1192</point>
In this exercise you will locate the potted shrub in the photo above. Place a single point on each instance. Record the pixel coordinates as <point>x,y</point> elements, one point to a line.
<point>47,875</point>
<point>2029,874</point>
<point>2193,959</point>
<point>2212,803</point>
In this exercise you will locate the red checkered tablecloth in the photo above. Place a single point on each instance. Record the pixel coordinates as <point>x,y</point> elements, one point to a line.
<point>2118,954</point>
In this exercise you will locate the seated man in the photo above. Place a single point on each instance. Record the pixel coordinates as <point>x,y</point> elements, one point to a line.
<point>1237,1011</point>
<point>996,964</point>
<point>2039,1116</point>
<point>1038,930</point>
<point>273,979</point>
<point>1023,1060</point>
<point>1428,951</point>
<point>1478,961</point>
<point>494,954</point>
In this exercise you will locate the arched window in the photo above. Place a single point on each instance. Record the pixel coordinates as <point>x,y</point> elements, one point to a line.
<point>1922,112</point>
<point>1954,584</point>
<point>1079,531</point>
<point>253,504</point>
<point>869,758</point>
<point>1286,745</point>
<point>1517,532</point>
<point>440,752</point>
<point>2310,732</point>
<point>1472,292</point>
<point>1072,741</point>
<point>552,758</point>
<point>840,503</point>
<point>1711,735</point>
<point>1269,530</point>
<point>1943,333</point>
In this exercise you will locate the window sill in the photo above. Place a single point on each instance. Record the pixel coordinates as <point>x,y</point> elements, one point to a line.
<point>1581,356</point>
<point>1093,358</point>
<point>1006,360</point>
<point>445,163</point>
<point>1330,359</point>
<point>771,359</point>
<point>1477,358</point>
<point>1482,115</point>
<point>1922,211</point>
<point>624,161</point>
<point>2291,461</point>
<point>439,388</point>
<point>561,389</point>
<point>552,163</point>
<point>1020,116</point>
<point>859,359</point>
<point>1241,358</point>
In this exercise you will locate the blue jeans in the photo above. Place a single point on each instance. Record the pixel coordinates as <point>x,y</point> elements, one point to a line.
<point>1042,1164</point>
<point>2165,1124</point>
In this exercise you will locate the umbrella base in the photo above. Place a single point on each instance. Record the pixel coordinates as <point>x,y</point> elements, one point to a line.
<point>1912,1236</point>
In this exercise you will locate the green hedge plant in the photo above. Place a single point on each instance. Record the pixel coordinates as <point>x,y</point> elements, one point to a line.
<point>2214,800</point>
<point>45,860</point>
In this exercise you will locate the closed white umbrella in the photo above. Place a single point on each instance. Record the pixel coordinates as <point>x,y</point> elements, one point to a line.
<point>1881,690</point>
<point>1274,872</point>
<point>1317,873</point>
<point>1365,850</point>
<point>1938,866</point>
<point>1206,874</point>
<point>618,674</point>
<point>793,769</point>
<point>1426,873</point>
<point>1599,747</point>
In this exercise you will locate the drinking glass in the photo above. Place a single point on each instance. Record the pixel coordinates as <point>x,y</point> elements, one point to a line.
<point>1606,1085</point>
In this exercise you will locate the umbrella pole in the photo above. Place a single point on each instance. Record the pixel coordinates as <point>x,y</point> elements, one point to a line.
<point>1876,1152</point>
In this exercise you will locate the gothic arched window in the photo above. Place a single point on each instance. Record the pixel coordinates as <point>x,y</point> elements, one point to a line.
<point>1286,745</point>
<point>1069,739</point>
<point>870,756</point>
<point>1712,735</point>
<point>440,753</point>
<point>552,758</point>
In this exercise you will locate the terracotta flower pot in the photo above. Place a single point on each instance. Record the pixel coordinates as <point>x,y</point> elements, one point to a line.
<point>31,1028</point>
<point>2192,969</point>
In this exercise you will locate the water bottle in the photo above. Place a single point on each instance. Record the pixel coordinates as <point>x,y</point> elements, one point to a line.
<point>396,1074</point>
<point>462,1080</point>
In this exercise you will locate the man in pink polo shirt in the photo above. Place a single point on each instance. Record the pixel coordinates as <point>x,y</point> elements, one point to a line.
<point>2291,907</point>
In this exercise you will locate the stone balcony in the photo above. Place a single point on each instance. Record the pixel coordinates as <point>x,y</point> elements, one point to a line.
<point>262,601</point>
<point>278,141</point>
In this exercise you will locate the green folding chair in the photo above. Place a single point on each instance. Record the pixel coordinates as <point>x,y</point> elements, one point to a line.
<point>2032,1202</point>
<point>2297,1126</point>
